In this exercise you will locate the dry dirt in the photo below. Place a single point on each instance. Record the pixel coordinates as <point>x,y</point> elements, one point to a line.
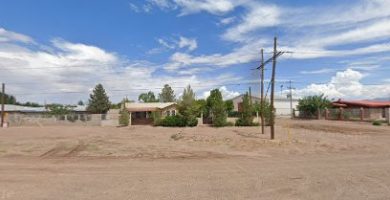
<point>308,160</point>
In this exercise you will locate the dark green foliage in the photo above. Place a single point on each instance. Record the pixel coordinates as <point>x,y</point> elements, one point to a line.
<point>246,118</point>
<point>124,117</point>
<point>98,102</point>
<point>167,94</point>
<point>80,103</point>
<point>9,99</point>
<point>308,106</point>
<point>217,108</point>
<point>188,108</point>
<point>58,109</point>
<point>147,97</point>
<point>265,110</point>
<point>173,121</point>
<point>377,123</point>
<point>201,104</point>
<point>229,105</point>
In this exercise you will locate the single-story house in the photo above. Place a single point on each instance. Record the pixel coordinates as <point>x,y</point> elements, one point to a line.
<point>282,105</point>
<point>141,113</point>
<point>372,109</point>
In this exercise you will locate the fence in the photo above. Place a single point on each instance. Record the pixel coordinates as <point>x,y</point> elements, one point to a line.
<point>38,119</point>
<point>350,114</point>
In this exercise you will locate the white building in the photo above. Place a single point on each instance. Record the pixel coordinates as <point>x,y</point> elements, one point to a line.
<point>282,104</point>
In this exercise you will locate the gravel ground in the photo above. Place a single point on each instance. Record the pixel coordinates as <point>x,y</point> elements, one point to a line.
<point>308,160</point>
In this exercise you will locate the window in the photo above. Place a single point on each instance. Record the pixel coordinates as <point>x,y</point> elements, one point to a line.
<point>167,113</point>
<point>173,112</point>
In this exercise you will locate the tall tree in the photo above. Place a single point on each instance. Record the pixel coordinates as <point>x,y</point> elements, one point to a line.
<point>9,99</point>
<point>246,118</point>
<point>309,105</point>
<point>217,108</point>
<point>80,103</point>
<point>167,94</point>
<point>188,107</point>
<point>147,97</point>
<point>229,105</point>
<point>98,100</point>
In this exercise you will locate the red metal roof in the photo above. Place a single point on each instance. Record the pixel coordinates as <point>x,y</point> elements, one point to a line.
<point>362,103</point>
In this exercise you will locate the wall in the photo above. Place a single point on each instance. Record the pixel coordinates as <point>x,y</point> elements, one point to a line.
<point>33,119</point>
<point>282,106</point>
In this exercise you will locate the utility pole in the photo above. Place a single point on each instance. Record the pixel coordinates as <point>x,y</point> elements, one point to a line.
<point>2,104</point>
<point>262,91</point>
<point>281,90</point>
<point>272,121</point>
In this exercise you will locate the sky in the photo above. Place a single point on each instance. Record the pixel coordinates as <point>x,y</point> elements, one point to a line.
<point>57,51</point>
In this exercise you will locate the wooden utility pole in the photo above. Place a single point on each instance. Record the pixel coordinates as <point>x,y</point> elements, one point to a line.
<point>2,104</point>
<point>262,91</point>
<point>272,121</point>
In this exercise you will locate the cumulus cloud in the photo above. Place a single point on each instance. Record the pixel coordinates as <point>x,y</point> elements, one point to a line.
<point>9,36</point>
<point>226,94</point>
<point>189,43</point>
<point>68,71</point>
<point>346,84</point>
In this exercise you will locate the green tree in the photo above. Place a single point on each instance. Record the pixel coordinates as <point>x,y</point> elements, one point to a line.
<point>265,110</point>
<point>167,94</point>
<point>147,97</point>
<point>98,101</point>
<point>188,107</point>
<point>9,99</point>
<point>80,103</point>
<point>308,106</point>
<point>229,105</point>
<point>217,108</point>
<point>246,117</point>
<point>58,109</point>
<point>124,117</point>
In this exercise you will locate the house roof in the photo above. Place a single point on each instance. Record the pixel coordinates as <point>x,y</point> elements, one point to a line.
<point>17,108</point>
<point>277,98</point>
<point>145,107</point>
<point>362,103</point>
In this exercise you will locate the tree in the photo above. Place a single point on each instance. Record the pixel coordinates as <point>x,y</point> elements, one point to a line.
<point>217,108</point>
<point>98,101</point>
<point>58,109</point>
<point>308,106</point>
<point>124,117</point>
<point>188,107</point>
<point>9,99</point>
<point>246,118</point>
<point>80,103</point>
<point>229,105</point>
<point>167,94</point>
<point>147,97</point>
<point>265,110</point>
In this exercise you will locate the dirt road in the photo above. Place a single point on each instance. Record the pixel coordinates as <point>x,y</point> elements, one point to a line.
<point>337,161</point>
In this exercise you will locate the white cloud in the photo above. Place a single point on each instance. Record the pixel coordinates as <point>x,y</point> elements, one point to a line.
<point>188,42</point>
<point>9,36</point>
<point>134,8</point>
<point>319,71</point>
<point>226,94</point>
<point>227,20</point>
<point>212,6</point>
<point>346,84</point>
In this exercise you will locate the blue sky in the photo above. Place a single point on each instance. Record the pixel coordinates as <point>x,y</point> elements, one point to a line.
<point>61,49</point>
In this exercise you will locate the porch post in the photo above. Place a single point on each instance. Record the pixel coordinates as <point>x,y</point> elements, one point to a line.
<point>341,113</point>
<point>130,119</point>
<point>361,114</point>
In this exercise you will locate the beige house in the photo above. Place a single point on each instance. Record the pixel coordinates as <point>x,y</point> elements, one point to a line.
<point>141,113</point>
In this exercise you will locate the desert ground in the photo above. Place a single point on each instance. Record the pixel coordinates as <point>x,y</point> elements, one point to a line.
<point>307,160</point>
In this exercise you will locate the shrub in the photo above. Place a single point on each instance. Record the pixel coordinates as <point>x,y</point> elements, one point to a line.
<point>377,123</point>
<point>308,106</point>
<point>173,121</point>
<point>241,122</point>
<point>156,118</point>
<point>192,122</point>
<point>124,118</point>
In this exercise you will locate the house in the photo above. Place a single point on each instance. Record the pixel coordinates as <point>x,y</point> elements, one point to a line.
<point>372,109</point>
<point>282,104</point>
<point>141,113</point>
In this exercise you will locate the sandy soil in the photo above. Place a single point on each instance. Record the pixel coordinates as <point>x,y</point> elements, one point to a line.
<point>308,160</point>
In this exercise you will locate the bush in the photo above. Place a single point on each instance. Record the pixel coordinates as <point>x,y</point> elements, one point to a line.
<point>173,121</point>
<point>156,118</point>
<point>241,122</point>
<point>377,123</point>
<point>124,118</point>
<point>192,122</point>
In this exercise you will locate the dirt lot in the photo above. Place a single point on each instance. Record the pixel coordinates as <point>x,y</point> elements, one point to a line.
<point>308,160</point>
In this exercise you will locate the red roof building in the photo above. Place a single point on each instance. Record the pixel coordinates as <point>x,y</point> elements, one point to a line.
<point>361,104</point>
